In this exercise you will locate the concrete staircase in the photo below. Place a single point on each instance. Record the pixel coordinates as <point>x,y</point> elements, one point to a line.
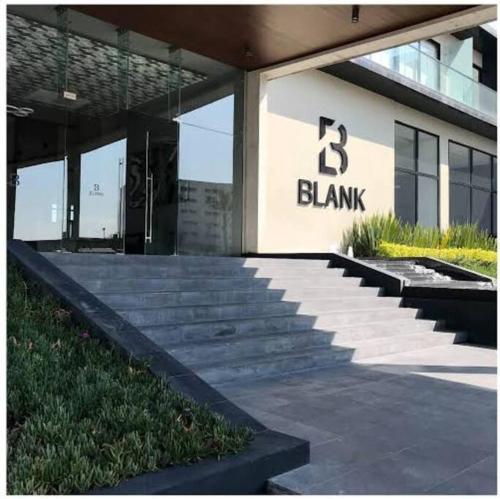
<point>237,318</point>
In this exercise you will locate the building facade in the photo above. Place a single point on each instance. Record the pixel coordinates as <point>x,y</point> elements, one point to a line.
<point>120,142</point>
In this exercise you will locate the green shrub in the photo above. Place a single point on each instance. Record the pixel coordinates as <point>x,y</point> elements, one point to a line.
<point>453,255</point>
<point>468,236</point>
<point>79,416</point>
<point>365,236</point>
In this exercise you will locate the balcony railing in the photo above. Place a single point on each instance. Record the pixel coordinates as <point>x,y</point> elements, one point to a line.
<point>430,72</point>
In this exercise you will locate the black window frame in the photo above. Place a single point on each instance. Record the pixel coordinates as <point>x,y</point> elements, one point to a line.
<point>492,190</point>
<point>416,171</point>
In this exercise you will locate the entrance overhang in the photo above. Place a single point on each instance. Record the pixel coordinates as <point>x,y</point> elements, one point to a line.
<point>287,37</point>
<point>457,21</point>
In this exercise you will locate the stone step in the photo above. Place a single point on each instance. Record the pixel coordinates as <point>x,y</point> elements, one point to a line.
<point>79,272</point>
<point>174,315</point>
<point>179,261</point>
<point>185,332</point>
<point>216,284</point>
<point>134,299</point>
<point>195,353</point>
<point>273,364</point>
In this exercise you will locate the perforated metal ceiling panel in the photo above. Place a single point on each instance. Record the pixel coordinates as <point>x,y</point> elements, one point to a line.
<point>36,55</point>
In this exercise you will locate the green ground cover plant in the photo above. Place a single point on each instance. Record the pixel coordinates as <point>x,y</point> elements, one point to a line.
<point>366,235</point>
<point>479,260</point>
<point>81,417</point>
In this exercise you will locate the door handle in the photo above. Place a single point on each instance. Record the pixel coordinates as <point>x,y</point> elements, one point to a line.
<point>148,216</point>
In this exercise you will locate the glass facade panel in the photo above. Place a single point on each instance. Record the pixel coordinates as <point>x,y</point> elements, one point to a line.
<point>460,204</point>
<point>494,214</point>
<point>39,202</point>
<point>206,179</point>
<point>427,153</point>
<point>405,197</point>
<point>405,147</point>
<point>481,208</point>
<point>416,197</point>
<point>427,201</point>
<point>96,113</point>
<point>481,170</point>
<point>459,163</point>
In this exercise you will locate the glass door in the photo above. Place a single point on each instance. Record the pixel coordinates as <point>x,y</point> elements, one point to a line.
<point>151,185</point>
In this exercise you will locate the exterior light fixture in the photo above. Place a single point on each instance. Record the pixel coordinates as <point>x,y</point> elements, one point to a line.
<point>247,52</point>
<point>355,14</point>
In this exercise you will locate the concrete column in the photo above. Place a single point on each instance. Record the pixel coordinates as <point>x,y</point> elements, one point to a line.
<point>254,186</point>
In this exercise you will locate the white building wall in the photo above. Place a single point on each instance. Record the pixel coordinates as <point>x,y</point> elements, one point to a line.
<point>294,106</point>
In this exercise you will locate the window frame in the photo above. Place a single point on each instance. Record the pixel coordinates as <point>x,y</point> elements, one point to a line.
<point>416,172</point>
<point>492,190</point>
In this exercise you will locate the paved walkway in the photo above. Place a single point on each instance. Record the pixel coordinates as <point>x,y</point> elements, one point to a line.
<point>413,423</point>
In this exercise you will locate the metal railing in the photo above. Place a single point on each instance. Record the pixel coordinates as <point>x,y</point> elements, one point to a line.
<point>418,66</point>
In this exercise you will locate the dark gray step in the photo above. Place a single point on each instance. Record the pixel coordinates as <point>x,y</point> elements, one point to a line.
<point>174,315</point>
<point>179,261</point>
<point>340,334</point>
<point>218,284</point>
<point>78,272</point>
<point>159,299</point>
<point>185,332</point>
<point>259,366</point>
<point>196,353</point>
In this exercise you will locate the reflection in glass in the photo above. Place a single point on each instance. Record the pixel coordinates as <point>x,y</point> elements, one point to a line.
<point>405,147</point>
<point>205,217</point>
<point>405,197</point>
<point>39,202</point>
<point>102,191</point>
<point>427,153</point>
<point>427,201</point>
<point>459,204</point>
<point>459,163</point>
<point>481,169</point>
<point>481,208</point>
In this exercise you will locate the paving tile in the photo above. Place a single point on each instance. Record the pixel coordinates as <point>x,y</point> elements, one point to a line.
<point>411,471</point>
<point>480,478</point>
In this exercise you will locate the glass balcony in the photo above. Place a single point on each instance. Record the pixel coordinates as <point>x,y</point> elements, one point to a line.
<point>430,72</point>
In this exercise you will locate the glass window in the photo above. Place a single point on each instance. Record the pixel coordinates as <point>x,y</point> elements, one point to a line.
<point>416,189</point>
<point>427,201</point>
<point>459,204</point>
<point>471,196</point>
<point>481,169</point>
<point>494,214</point>
<point>427,153</point>
<point>459,163</point>
<point>481,208</point>
<point>405,196</point>
<point>494,175</point>
<point>405,146</point>
<point>39,206</point>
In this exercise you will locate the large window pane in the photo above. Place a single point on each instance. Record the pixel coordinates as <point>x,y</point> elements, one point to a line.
<point>427,201</point>
<point>102,191</point>
<point>494,174</point>
<point>459,163</point>
<point>481,169</point>
<point>405,196</point>
<point>405,147</point>
<point>205,220</point>
<point>494,217</point>
<point>39,202</point>
<point>481,209</point>
<point>459,204</point>
<point>427,153</point>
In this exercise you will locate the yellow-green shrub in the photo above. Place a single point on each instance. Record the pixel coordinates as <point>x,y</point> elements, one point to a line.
<point>454,255</point>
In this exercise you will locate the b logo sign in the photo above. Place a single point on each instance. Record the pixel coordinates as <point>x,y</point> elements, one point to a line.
<point>336,147</point>
<point>339,197</point>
